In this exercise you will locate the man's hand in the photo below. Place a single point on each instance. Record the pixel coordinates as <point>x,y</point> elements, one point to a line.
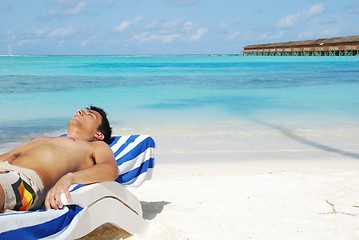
<point>53,198</point>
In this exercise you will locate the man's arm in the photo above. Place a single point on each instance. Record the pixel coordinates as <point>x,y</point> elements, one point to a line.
<point>105,169</point>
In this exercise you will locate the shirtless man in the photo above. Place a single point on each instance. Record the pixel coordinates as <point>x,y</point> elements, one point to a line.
<point>48,166</point>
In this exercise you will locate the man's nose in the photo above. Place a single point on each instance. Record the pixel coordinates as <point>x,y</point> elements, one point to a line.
<point>80,112</point>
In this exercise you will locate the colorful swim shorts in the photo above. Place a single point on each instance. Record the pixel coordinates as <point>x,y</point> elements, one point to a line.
<point>23,188</point>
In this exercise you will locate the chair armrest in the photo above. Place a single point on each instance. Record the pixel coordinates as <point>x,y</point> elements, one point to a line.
<point>92,193</point>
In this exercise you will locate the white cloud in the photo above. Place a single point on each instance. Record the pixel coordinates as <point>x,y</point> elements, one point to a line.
<point>140,37</point>
<point>25,42</point>
<point>122,26</point>
<point>233,36</point>
<point>53,33</point>
<point>329,32</point>
<point>187,26</point>
<point>138,18</point>
<point>157,31</point>
<point>144,37</point>
<point>169,38</point>
<point>39,32</point>
<point>73,10</point>
<point>9,33</point>
<point>198,35</point>
<point>292,20</point>
<point>61,32</point>
<point>172,24</point>
<point>85,42</point>
<point>270,36</point>
<point>61,42</point>
<point>264,36</point>
<point>154,37</point>
<point>152,24</point>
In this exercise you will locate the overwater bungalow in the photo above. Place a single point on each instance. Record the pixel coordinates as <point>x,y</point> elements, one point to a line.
<point>338,46</point>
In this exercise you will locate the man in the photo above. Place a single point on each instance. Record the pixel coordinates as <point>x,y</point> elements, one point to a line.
<point>47,167</point>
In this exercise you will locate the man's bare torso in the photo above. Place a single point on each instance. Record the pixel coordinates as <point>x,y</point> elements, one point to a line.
<point>52,158</point>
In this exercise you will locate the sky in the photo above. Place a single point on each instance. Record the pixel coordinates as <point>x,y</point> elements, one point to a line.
<point>135,27</point>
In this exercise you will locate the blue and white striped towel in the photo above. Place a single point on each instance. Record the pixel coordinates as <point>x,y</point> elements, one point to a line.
<point>135,156</point>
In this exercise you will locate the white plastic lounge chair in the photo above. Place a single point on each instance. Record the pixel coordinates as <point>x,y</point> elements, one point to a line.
<point>106,202</point>
<point>95,204</point>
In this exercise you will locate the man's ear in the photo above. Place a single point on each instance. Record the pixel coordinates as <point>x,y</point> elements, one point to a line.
<point>99,136</point>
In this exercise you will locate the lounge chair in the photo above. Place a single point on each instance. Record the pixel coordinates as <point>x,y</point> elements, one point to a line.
<point>94,204</point>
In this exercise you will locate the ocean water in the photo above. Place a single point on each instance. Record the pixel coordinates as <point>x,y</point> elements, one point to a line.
<point>38,94</point>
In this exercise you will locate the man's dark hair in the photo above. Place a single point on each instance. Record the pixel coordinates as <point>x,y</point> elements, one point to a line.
<point>104,127</point>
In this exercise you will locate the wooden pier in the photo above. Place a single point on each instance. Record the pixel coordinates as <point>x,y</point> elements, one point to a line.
<point>340,46</point>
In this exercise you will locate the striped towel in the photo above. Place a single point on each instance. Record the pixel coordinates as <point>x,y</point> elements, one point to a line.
<point>135,157</point>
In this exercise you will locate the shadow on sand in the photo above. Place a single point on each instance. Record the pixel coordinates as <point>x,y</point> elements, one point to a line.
<point>151,209</point>
<point>288,133</point>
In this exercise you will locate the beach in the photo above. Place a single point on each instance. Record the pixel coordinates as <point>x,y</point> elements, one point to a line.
<point>246,147</point>
<point>215,185</point>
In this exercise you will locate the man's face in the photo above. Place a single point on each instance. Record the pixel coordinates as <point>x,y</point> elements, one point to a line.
<point>87,121</point>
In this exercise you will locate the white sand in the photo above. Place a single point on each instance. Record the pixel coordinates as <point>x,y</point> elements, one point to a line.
<point>217,189</point>
<point>251,200</point>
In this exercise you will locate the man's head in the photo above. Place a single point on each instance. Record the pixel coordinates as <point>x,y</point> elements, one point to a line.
<point>91,124</point>
<point>104,127</point>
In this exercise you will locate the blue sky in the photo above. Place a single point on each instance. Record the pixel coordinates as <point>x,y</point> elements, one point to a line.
<point>117,27</point>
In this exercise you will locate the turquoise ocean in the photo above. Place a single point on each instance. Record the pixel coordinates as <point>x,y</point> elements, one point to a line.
<point>38,94</point>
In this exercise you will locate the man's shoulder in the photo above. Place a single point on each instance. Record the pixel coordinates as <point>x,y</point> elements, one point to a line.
<point>100,144</point>
<point>102,150</point>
